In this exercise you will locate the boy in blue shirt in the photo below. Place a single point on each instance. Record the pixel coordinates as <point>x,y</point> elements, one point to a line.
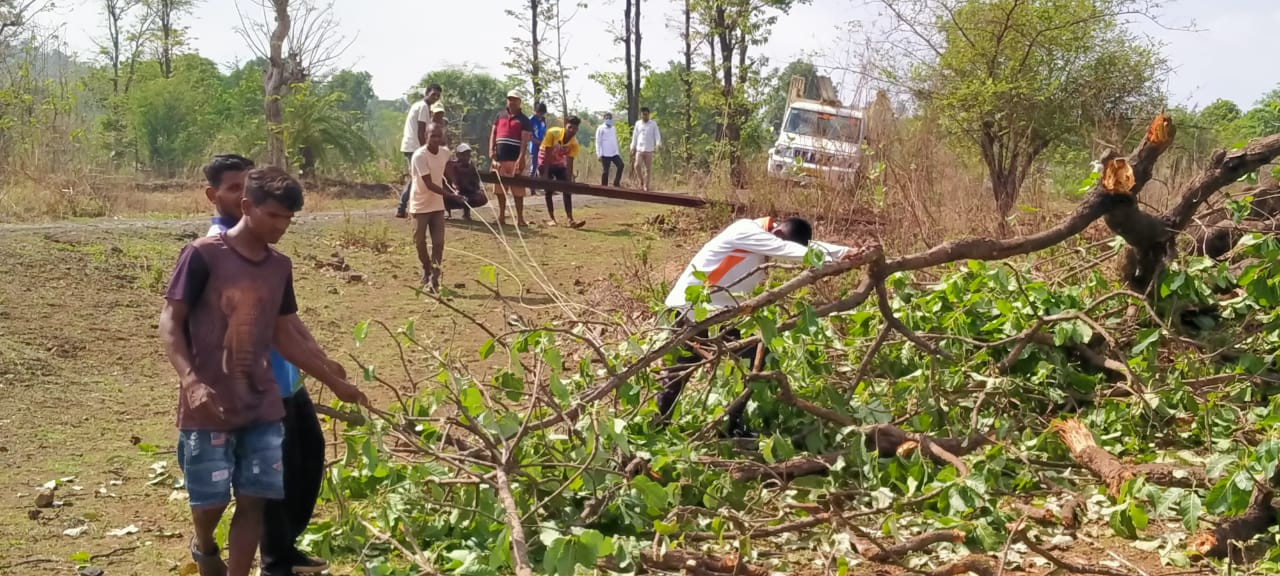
<point>539,121</point>
<point>304,442</point>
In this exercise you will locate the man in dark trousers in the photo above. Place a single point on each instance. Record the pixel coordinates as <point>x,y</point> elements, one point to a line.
<point>303,447</point>
<point>460,175</point>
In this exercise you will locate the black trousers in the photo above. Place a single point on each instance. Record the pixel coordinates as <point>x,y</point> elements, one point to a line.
<point>674,382</point>
<point>560,173</point>
<point>605,163</point>
<point>285,520</point>
<point>404,195</point>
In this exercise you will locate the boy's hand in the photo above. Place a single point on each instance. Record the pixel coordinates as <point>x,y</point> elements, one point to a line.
<point>347,392</point>
<point>202,399</point>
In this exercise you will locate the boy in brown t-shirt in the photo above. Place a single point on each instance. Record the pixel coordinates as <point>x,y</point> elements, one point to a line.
<point>227,296</point>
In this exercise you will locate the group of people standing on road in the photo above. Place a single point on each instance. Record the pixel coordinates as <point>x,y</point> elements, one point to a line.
<point>441,181</point>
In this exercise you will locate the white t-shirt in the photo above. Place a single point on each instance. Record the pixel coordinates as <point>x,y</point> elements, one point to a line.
<point>732,259</point>
<point>645,137</point>
<point>607,142</point>
<point>424,163</point>
<point>419,112</point>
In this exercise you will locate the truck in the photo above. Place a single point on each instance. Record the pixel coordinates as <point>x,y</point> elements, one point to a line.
<point>819,137</point>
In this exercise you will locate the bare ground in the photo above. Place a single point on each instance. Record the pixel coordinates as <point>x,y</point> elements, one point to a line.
<point>86,395</point>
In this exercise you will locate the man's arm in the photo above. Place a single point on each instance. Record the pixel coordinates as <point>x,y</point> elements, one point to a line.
<point>599,140</point>
<point>294,342</point>
<point>657,136</point>
<point>766,244</point>
<point>422,133</point>
<point>424,169</point>
<point>569,167</point>
<point>493,143</point>
<point>186,286</point>
<point>526,136</point>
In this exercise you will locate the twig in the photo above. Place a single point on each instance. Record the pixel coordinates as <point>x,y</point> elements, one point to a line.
<point>1067,565</point>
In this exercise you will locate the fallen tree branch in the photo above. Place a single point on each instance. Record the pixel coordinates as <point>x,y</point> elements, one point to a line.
<point>1067,565</point>
<point>896,552</point>
<point>1230,537</point>
<point>695,563</point>
<point>968,565</point>
<point>1115,473</point>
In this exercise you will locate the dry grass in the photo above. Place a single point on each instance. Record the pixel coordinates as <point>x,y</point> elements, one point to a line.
<point>74,196</point>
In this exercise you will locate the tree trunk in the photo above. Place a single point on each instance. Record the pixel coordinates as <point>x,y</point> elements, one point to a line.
<point>275,83</point>
<point>731,130</point>
<point>564,89</point>
<point>636,67</point>
<point>633,108</point>
<point>166,38</point>
<point>535,69</point>
<point>688,83</point>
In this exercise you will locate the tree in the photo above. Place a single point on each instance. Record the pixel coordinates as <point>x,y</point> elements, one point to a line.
<point>526,51</point>
<point>297,39</point>
<point>1016,77</point>
<point>1218,114</point>
<point>356,88</point>
<point>734,26</point>
<point>316,129</point>
<point>15,15</point>
<point>631,39</point>
<point>775,98</point>
<point>168,35</point>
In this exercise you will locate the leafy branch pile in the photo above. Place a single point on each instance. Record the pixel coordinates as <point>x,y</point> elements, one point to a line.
<point>993,418</point>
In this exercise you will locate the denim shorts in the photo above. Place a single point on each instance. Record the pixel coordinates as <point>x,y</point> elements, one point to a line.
<point>247,459</point>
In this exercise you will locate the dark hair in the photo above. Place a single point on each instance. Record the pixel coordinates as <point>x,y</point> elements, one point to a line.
<point>798,230</point>
<point>540,107</point>
<point>223,163</point>
<point>434,86</point>
<point>574,120</point>
<point>608,114</point>
<point>644,109</point>
<point>273,184</point>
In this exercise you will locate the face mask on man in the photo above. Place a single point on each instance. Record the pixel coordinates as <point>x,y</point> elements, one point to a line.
<point>609,122</point>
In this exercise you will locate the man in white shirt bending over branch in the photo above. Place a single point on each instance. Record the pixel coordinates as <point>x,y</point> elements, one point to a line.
<point>732,263</point>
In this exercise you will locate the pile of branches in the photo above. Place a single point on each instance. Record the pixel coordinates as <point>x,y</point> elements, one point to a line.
<point>555,457</point>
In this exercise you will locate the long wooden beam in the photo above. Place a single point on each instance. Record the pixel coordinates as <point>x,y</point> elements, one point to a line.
<point>593,190</point>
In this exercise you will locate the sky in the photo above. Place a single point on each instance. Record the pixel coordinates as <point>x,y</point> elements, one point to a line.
<point>398,41</point>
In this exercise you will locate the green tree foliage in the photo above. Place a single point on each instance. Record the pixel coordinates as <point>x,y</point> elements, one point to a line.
<point>356,88</point>
<point>317,129</point>
<point>1219,114</point>
<point>1013,78</point>
<point>774,100</point>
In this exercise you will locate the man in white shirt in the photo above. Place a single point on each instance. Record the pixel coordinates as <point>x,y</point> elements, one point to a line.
<point>608,151</point>
<point>645,141</point>
<point>427,203</point>
<point>732,263</point>
<point>415,135</point>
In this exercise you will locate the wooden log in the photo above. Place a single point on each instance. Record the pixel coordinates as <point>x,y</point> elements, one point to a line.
<point>668,198</point>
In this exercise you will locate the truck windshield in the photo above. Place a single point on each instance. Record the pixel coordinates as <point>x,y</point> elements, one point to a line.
<point>821,125</point>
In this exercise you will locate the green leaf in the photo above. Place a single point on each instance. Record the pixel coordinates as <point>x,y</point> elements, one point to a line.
<point>814,257</point>
<point>655,497</point>
<point>361,332</point>
<point>81,557</point>
<point>489,274</point>
<point>1190,509</point>
<point>1146,337</point>
<point>1138,516</point>
<point>486,349</point>
<point>1122,524</point>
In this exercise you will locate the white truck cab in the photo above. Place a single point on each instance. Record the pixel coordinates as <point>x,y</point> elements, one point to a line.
<point>817,138</point>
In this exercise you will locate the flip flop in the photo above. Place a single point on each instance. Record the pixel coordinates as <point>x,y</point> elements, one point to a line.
<point>577,224</point>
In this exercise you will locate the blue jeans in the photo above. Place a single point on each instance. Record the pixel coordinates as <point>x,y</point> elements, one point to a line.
<point>248,459</point>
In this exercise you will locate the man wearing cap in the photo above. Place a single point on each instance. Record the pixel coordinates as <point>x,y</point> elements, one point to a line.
<point>508,147</point>
<point>415,135</point>
<point>462,178</point>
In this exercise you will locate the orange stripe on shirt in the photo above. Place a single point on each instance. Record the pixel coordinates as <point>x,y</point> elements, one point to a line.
<point>766,223</point>
<point>724,267</point>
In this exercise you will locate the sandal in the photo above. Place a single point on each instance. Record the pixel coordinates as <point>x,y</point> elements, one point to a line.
<point>577,224</point>
<point>208,564</point>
